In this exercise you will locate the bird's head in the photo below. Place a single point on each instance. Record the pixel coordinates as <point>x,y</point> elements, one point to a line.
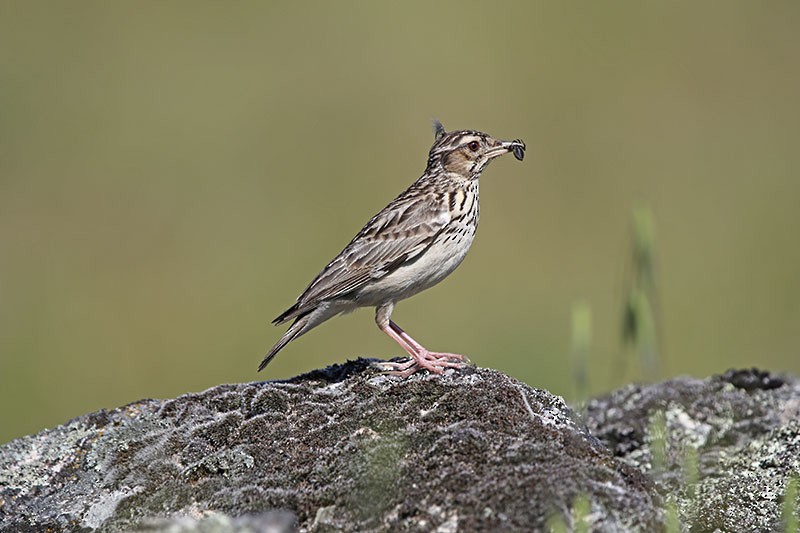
<point>468,152</point>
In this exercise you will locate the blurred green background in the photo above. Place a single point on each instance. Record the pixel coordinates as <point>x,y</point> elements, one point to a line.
<point>172,175</point>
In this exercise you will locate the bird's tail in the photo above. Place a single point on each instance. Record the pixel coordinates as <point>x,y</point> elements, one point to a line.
<point>289,314</point>
<point>296,329</point>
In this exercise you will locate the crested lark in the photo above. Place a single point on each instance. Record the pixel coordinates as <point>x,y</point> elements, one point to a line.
<point>410,245</point>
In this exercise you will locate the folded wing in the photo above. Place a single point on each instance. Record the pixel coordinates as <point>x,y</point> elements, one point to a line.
<point>400,233</point>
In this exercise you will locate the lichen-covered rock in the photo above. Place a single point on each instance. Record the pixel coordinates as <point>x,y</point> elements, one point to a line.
<point>721,450</point>
<point>337,449</point>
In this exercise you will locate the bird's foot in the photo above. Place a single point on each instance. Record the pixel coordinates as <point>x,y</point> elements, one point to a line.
<point>434,362</point>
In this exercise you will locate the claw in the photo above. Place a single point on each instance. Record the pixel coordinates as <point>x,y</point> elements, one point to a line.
<point>434,362</point>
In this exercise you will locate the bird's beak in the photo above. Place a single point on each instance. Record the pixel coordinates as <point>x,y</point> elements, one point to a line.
<point>503,147</point>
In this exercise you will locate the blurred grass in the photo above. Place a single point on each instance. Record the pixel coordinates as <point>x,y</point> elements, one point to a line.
<point>790,508</point>
<point>640,320</point>
<point>580,350</point>
<point>172,175</point>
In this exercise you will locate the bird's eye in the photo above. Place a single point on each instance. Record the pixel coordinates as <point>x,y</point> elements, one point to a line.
<point>474,145</point>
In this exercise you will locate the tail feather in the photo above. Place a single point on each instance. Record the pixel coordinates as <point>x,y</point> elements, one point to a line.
<point>297,329</point>
<point>287,315</point>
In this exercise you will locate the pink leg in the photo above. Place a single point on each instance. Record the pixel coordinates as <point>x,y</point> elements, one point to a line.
<point>421,358</point>
<point>420,348</point>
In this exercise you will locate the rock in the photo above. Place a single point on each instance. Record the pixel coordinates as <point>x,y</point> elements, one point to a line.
<point>336,449</point>
<point>720,450</point>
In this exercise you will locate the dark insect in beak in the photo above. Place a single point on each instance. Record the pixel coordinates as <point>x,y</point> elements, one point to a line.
<point>519,149</point>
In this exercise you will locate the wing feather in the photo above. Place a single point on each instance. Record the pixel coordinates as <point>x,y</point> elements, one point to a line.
<point>399,233</point>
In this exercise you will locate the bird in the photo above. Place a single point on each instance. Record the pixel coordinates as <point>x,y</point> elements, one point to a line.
<point>410,245</point>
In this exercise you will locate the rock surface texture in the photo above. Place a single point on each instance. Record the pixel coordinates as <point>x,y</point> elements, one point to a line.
<point>339,449</point>
<point>720,450</point>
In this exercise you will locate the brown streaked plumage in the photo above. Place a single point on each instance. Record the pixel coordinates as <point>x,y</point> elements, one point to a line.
<point>410,245</point>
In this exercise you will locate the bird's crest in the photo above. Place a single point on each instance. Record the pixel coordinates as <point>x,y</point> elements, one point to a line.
<point>438,129</point>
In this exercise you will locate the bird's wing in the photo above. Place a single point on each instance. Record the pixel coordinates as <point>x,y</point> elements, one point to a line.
<point>398,234</point>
